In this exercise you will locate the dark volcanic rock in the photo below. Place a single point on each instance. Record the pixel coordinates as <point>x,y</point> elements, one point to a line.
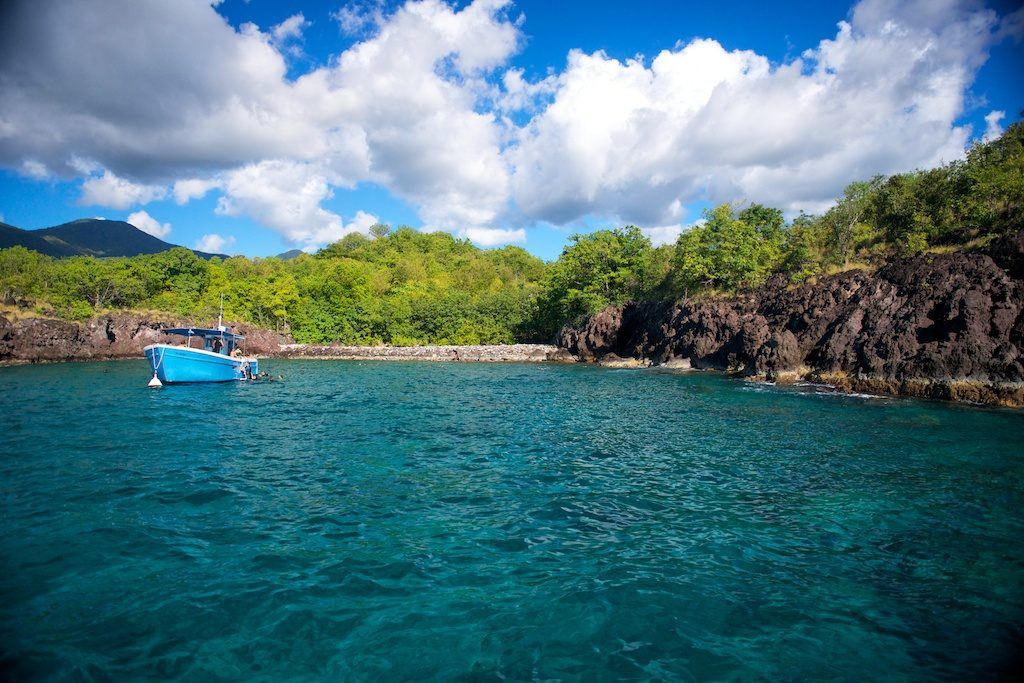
<point>46,340</point>
<point>6,337</point>
<point>1008,253</point>
<point>942,326</point>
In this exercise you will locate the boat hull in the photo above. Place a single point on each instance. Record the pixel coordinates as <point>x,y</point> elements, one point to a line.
<point>178,364</point>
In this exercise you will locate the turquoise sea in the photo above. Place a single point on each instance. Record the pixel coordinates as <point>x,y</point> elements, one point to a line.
<point>411,521</point>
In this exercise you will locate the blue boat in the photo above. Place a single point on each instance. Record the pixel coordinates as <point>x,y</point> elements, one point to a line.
<point>217,357</point>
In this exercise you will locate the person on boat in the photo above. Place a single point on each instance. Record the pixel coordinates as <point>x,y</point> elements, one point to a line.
<point>237,352</point>
<point>217,345</point>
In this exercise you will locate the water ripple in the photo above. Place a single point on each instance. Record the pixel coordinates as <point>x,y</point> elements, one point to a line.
<point>450,521</point>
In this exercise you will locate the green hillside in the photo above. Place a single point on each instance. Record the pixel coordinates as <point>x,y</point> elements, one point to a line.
<point>88,237</point>
<point>11,236</point>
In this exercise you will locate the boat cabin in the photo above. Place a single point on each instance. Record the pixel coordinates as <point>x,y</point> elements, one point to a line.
<point>214,340</point>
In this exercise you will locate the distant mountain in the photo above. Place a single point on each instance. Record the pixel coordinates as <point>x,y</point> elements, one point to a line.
<point>290,254</point>
<point>88,237</point>
<point>11,236</point>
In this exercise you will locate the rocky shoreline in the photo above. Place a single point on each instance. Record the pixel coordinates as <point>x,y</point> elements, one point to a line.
<point>496,353</point>
<point>947,326</point>
<point>105,337</point>
<point>124,335</point>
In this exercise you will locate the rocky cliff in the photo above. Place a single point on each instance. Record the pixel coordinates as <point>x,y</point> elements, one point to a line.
<point>116,335</point>
<point>943,326</point>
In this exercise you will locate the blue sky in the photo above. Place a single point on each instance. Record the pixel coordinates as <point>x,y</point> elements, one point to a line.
<point>257,127</point>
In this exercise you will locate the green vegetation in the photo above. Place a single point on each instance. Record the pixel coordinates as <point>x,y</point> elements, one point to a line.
<point>604,267</point>
<point>405,287</point>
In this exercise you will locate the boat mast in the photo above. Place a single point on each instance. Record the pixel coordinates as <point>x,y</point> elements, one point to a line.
<point>220,316</point>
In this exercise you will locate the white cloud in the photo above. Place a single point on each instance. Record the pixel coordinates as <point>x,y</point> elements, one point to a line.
<point>403,108</point>
<point>213,243</point>
<point>427,106</point>
<point>202,95</point>
<point>1012,26</point>
<point>663,234</point>
<point>414,89</point>
<point>361,222</point>
<point>289,29</point>
<point>117,193</point>
<point>489,237</point>
<point>668,234</point>
<point>286,196</point>
<point>518,94</point>
<point>188,189</point>
<point>356,19</point>
<point>146,223</point>
<point>34,169</point>
<point>993,126</point>
<point>282,195</point>
<point>699,122</point>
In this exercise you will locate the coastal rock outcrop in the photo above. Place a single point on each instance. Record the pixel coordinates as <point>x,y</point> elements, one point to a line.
<point>944,326</point>
<point>124,335</point>
<point>115,335</point>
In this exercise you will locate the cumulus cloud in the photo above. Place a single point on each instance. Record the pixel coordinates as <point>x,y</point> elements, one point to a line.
<point>426,105</point>
<point>287,36</point>
<point>213,243</point>
<point>146,223</point>
<point>421,76</point>
<point>287,196</point>
<point>358,18</point>
<point>490,237</point>
<point>1012,26</point>
<point>117,193</point>
<point>993,125</point>
<point>638,140</point>
<point>187,189</point>
<point>289,29</point>
<point>518,94</point>
<point>203,96</point>
<point>400,108</point>
<point>663,234</point>
<point>34,169</point>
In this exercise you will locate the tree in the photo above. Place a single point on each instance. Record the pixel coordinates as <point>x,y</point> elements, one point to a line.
<point>727,252</point>
<point>347,245</point>
<point>379,230</point>
<point>842,220</point>
<point>22,273</point>
<point>804,247</point>
<point>595,270</point>
<point>768,222</point>
<point>994,183</point>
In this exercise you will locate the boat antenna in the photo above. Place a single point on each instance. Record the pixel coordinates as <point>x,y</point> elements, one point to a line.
<point>220,316</point>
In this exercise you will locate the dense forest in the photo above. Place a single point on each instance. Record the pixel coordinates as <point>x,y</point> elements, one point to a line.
<point>405,287</point>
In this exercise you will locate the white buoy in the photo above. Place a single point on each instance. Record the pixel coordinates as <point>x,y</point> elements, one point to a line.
<point>155,382</point>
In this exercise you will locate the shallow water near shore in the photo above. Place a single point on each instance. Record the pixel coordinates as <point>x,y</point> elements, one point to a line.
<point>388,521</point>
